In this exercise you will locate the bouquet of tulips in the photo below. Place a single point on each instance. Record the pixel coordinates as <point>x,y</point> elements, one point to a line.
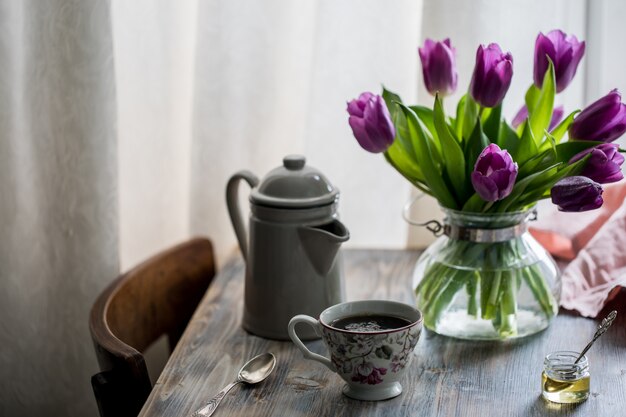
<point>474,161</point>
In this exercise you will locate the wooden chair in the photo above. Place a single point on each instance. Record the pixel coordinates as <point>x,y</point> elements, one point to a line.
<point>156,298</point>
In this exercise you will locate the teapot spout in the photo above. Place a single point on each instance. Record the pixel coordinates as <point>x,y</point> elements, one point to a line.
<point>321,243</point>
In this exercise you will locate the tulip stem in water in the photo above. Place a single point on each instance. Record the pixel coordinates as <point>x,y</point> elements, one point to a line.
<point>492,289</point>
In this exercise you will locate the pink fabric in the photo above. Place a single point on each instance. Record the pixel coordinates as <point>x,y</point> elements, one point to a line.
<point>594,241</point>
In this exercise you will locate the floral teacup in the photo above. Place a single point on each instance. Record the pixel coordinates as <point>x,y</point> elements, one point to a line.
<point>372,362</point>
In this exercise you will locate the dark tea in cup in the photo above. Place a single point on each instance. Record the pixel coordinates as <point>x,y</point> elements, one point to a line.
<point>369,323</point>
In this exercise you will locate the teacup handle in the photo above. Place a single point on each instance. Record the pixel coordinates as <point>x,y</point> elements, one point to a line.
<point>291,329</point>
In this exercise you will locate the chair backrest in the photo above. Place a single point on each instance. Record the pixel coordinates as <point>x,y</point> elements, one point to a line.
<point>156,298</point>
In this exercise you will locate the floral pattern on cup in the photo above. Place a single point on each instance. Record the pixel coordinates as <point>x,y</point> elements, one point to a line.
<point>366,358</point>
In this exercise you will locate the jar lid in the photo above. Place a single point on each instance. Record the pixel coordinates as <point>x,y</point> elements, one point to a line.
<point>294,185</point>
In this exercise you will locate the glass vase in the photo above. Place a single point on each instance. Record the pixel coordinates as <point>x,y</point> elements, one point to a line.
<point>487,278</point>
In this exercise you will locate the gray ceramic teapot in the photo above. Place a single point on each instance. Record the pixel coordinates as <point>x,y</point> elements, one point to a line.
<point>291,250</point>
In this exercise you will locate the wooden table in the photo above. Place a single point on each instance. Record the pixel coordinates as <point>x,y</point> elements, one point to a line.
<point>446,378</point>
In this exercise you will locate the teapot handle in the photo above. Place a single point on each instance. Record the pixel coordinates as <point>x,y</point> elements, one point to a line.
<point>232,200</point>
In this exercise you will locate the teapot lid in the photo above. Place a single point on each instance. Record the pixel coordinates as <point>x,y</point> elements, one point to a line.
<point>294,185</point>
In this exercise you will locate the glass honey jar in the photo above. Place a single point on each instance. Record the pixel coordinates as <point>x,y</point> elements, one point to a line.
<point>562,380</point>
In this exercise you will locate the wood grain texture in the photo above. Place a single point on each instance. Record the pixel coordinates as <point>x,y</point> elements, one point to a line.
<point>446,378</point>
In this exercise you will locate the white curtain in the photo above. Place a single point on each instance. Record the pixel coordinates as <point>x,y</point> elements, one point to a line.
<point>58,200</point>
<point>121,121</point>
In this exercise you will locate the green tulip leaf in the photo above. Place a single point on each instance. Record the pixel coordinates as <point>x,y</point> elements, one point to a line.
<point>549,145</point>
<point>555,153</point>
<point>559,131</point>
<point>398,119</point>
<point>527,148</point>
<point>390,97</point>
<point>403,162</point>
<point>507,138</point>
<point>491,125</point>
<point>469,117</point>
<point>474,204</point>
<point>424,154</point>
<point>476,143</point>
<point>426,117</point>
<point>402,135</point>
<point>531,97</point>
<point>567,150</point>
<point>541,114</point>
<point>452,152</point>
<point>541,185</point>
<point>401,154</point>
<point>458,122</point>
<point>397,157</point>
<point>520,187</point>
<point>538,162</point>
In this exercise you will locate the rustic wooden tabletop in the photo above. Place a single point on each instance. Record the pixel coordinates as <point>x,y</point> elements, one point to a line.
<point>447,377</point>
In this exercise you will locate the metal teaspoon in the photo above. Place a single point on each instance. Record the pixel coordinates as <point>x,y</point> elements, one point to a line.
<point>252,372</point>
<point>603,327</point>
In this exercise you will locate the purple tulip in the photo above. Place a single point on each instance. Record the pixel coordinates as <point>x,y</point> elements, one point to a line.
<point>604,164</point>
<point>371,123</point>
<point>492,75</point>
<point>522,114</point>
<point>577,194</point>
<point>494,173</point>
<point>603,120</point>
<point>564,51</point>
<point>439,67</point>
